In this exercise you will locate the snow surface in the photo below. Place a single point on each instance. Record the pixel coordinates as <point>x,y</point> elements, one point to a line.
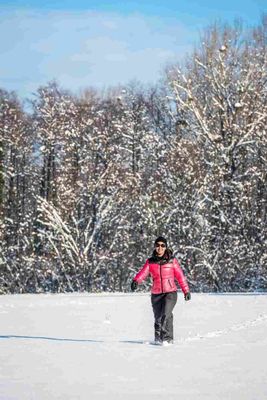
<point>93,346</point>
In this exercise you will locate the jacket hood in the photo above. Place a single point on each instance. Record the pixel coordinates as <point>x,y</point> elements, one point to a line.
<point>167,256</point>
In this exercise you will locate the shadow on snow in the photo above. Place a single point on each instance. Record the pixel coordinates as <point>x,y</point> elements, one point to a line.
<point>57,339</point>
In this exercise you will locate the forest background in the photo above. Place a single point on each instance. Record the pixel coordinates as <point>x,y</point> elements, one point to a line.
<point>88,181</point>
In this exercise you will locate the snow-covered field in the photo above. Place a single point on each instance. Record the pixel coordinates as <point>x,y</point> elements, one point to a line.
<point>88,346</point>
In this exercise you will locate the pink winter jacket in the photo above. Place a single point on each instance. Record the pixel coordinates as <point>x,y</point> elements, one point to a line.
<point>163,276</point>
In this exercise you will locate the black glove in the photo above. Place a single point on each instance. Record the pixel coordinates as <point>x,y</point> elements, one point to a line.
<point>133,286</point>
<point>187,296</point>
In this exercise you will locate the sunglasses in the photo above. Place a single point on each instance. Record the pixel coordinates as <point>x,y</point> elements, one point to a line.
<point>161,245</point>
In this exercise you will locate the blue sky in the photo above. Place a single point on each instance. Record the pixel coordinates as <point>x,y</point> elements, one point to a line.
<point>92,43</point>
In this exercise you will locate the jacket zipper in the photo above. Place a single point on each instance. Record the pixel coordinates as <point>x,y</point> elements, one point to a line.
<point>161,278</point>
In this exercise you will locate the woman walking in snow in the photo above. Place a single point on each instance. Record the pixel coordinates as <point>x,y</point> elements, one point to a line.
<point>163,268</point>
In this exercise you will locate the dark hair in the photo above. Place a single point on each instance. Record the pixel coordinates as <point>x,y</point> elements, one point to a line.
<point>168,255</point>
<point>161,239</point>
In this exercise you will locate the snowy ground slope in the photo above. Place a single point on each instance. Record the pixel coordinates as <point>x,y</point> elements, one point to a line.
<point>90,347</point>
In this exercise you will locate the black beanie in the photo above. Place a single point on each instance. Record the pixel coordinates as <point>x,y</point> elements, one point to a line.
<point>161,239</point>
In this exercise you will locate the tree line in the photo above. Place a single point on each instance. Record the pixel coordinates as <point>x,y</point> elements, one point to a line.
<point>88,181</point>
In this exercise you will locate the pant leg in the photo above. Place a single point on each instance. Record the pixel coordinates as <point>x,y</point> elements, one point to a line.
<point>167,318</point>
<point>158,302</point>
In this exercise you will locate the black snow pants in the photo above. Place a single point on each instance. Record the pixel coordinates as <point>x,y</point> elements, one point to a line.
<point>163,305</point>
